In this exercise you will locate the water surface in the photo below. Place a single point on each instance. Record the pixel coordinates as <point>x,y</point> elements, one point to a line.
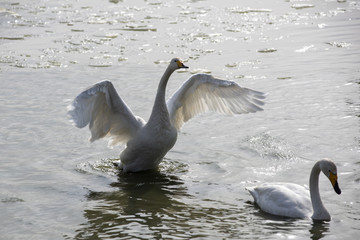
<point>56,185</point>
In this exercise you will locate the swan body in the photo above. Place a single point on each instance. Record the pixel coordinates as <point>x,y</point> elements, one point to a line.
<point>107,114</point>
<point>295,201</point>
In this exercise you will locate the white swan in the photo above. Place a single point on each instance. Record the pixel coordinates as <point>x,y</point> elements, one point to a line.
<point>147,143</point>
<point>292,200</point>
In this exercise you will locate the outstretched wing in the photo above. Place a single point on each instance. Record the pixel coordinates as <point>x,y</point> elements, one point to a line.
<point>101,107</point>
<point>202,93</point>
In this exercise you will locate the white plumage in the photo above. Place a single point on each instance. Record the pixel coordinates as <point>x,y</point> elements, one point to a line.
<point>283,199</point>
<point>107,115</point>
<point>295,201</point>
<point>147,143</point>
<point>203,93</point>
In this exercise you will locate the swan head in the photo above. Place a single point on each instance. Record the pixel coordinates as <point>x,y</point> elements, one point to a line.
<point>328,167</point>
<point>176,63</point>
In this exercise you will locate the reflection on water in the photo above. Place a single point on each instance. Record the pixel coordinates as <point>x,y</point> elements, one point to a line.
<point>157,205</point>
<point>140,203</point>
<point>319,229</point>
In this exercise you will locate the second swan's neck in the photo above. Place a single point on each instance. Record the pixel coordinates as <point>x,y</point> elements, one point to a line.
<point>320,213</point>
<point>160,111</point>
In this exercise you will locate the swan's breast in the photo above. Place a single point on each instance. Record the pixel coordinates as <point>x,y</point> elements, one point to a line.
<point>149,144</point>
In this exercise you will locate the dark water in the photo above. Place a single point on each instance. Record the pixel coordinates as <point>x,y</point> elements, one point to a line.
<point>56,185</point>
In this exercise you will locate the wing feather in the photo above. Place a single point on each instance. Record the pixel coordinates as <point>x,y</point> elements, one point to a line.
<point>101,107</point>
<point>203,93</point>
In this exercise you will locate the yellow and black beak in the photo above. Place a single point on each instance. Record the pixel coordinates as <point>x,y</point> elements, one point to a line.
<point>334,182</point>
<point>181,65</point>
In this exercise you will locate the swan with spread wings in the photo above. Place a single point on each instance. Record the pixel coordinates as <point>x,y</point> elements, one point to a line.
<point>107,114</point>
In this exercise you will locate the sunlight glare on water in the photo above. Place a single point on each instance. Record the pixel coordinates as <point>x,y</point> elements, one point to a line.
<point>56,185</point>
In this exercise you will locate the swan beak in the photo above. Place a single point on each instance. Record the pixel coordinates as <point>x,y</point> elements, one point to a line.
<point>334,182</point>
<point>181,65</point>
<point>336,188</point>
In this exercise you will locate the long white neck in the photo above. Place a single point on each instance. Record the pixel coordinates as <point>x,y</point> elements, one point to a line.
<point>160,112</point>
<point>320,212</point>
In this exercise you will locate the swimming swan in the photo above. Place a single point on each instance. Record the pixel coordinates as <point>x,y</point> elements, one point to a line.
<point>101,107</point>
<point>292,200</point>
